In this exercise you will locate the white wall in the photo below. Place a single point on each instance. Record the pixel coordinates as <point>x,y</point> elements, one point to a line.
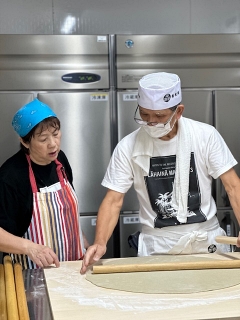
<point>119,16</point>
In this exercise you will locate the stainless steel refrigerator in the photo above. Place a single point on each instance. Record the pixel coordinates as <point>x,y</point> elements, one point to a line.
<point>204,63</point>
<point>71,74</point>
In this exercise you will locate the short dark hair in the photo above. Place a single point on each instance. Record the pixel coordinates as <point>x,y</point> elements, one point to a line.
<point>48,122</point>
<point>174,107</point>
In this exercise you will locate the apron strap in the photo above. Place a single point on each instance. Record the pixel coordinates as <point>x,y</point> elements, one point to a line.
<point>60,172</point>
<point>31,175</point>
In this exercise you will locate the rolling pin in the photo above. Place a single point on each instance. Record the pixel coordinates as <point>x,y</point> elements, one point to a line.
<point>12,308</point>
<point>226,240</point>
<point>168,266</point>
<point>3,301</point>
<point>21,295</point>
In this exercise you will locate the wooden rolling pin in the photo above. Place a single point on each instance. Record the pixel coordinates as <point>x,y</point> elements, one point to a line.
<point>21,295</point>
<point>12,308</point>
<point>214,264</point>
<point>168,266</point>
<point>3,301</point>
<point>226,240</point>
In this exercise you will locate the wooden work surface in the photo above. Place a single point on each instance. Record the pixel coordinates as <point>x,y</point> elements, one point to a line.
<point>73,297</point>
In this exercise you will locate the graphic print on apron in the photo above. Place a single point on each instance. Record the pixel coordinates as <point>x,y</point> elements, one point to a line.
<point>159,184</point>
<point>55,220</point>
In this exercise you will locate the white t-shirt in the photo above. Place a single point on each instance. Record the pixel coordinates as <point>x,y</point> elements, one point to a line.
<point>210,157</point>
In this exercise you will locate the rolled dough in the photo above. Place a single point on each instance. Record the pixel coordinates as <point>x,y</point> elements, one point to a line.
<point>181,281</point>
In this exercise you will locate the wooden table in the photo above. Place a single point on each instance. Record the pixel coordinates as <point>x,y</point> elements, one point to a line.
<point>73,297</point>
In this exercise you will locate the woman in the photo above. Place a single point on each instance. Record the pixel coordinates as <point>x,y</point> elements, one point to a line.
<point>39,216</point>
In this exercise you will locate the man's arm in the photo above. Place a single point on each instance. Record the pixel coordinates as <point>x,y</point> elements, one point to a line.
<point>107,219</point>
<point>231,184</point>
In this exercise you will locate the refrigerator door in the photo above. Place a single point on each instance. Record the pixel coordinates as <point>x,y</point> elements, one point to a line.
<point>198,105</point>
<point>227,113</point>
<point>200,60</point>
<point>126,106</point>
<point>88,224</point>
<point>9,140</point>
<point>54,62</point>
<point>128,224</point>
<point>85,126</point>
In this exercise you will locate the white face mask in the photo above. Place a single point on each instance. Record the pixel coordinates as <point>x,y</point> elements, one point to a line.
<point>156,132</point>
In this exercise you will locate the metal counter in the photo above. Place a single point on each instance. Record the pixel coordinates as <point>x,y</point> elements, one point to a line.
<point>37,295</point>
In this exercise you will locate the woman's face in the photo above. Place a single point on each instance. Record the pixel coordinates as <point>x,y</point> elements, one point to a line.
<point>44,145</point>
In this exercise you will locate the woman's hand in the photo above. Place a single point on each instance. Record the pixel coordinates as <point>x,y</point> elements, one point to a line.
<point>43,256</point>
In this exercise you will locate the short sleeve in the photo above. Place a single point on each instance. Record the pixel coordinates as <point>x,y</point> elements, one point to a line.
<point>219,157</point>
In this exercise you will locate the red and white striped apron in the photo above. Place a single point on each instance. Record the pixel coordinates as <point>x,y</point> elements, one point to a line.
<point>55,221</point>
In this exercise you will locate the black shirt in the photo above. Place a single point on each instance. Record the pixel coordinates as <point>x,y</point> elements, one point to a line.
<point>16,198</point>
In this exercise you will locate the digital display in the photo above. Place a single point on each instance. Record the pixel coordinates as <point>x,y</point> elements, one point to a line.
<point>87,78</point>
<point>79,77</point>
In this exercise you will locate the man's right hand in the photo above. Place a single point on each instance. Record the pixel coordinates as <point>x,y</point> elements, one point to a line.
<point>93,254</point>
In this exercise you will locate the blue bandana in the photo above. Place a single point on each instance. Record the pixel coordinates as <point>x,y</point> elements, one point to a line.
<point>29,116</point>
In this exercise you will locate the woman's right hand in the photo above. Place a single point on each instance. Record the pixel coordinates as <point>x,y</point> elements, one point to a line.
<point>43,256</point>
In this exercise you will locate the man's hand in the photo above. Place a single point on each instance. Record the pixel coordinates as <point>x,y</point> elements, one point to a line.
<point>93,254</point>
<point>238,240</point>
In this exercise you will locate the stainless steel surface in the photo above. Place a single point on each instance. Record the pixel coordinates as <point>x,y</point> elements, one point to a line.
<point>37,62</point>
<point>37,296</point>
<point>199,60</point>
<point>128,224</point>
<point>127,104</point>
<point>198,105</point>
<point>9,104</point>
<point>86,140</point>
<point>88,224</point>
<point>227,113</point>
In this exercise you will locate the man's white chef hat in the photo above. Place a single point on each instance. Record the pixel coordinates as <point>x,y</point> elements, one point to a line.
<point>157,91</point>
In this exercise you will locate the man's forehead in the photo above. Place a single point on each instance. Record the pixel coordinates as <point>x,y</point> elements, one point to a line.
<point>162,111</point>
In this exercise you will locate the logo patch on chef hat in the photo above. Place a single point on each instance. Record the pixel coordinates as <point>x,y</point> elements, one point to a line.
<point>212,248</point>
<point>167,97</point>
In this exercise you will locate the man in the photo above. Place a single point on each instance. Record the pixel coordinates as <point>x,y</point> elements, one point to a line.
<point>171,160</point>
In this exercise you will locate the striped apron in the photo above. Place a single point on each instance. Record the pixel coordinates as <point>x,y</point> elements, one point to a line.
<point>55,220</point>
